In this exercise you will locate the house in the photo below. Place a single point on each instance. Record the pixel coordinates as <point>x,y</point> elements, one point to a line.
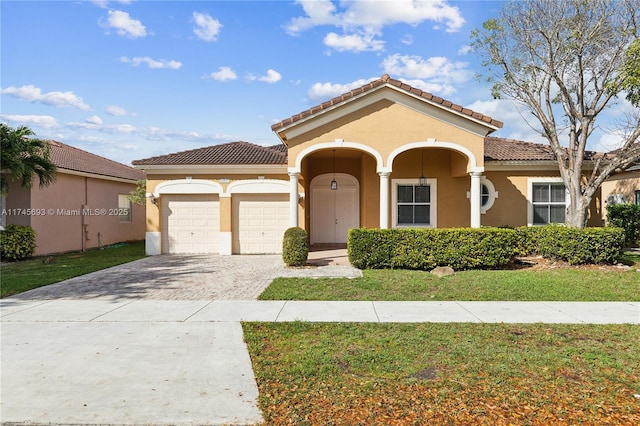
<point>384,155</point>
<point>622,187</point>
<point>86,207</point>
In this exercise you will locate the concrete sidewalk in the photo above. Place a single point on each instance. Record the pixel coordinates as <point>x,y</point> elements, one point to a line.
<point>185,362</point>
<point>192,311</point>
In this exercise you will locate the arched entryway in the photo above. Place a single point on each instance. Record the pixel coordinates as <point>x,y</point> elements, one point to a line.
<point>333,211</point>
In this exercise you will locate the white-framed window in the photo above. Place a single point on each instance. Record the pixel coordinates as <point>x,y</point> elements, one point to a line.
<point>488,194</point>
<point>414,206</point>
<point>124,208</point>
<point>548,200</point>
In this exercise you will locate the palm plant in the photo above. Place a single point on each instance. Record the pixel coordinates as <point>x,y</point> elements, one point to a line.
<point>23,157</point>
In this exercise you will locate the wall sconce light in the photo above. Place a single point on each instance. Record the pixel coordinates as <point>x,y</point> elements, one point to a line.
<point>152,198</point>
<point>422,180</point>
<point>334,182</point>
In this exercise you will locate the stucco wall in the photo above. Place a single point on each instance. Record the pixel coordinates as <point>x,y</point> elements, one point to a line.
<point>65,226</point>
<point>623,183</point>
<point>385,126</point>
<point>511,206</point>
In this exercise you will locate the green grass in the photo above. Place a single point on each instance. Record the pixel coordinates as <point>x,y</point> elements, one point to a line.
<point>17,277</point>
<point>446,373</point>
<point>518,285</point>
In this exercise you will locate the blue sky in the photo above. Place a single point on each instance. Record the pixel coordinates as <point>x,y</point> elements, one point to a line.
<point>133,79</point>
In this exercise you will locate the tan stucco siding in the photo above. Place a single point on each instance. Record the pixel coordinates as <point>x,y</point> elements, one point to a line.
<point>624,183</point>
<point>65,226</point>
<point>385,126</point>
<point>154,213</point>
<point>511,206</point>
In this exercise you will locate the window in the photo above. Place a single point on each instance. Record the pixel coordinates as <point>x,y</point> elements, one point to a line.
<point>124,208</point>
<point>488,194</point>
<point>638,198</point>
<point>414,205</point>
<point>548,202</point>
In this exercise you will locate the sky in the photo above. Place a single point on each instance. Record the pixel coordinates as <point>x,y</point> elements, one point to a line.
<point>133,79</point>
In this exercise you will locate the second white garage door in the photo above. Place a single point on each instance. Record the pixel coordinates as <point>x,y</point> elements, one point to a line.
<point>192,224</point>
<point>259,222</point>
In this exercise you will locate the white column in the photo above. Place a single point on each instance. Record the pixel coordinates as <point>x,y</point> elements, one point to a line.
<point>384,200</point>
<point>293,199</point>
<point>474,194</point>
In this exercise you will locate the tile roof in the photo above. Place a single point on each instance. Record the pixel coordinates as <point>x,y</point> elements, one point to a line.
<point>501,149</point>
<point>385,80</point>
<point>228,153</point>
<point>70,158</point>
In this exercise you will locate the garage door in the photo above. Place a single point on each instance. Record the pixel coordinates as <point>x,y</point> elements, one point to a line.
<point>259,222</point>
<point>192,224</point>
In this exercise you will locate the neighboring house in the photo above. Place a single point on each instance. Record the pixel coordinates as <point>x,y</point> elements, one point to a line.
<point>622,187</point>
<point>384,155</point>
<point>86,207</point>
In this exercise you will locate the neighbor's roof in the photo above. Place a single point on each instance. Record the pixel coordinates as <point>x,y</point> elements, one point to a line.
<point>386,80</point>
<point>228,154</point>
<point>69,158</point>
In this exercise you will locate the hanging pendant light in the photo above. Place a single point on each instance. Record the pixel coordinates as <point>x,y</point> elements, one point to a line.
<point>423,180</point>
<point>334,182</point>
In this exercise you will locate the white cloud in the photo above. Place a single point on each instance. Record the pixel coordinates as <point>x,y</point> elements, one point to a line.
<point>370,17</point>
<point>330,90</point>
<point>223,74</point>
<point>518,122</point>
<point>272,76</point>
<point>45,121</point>
<point>30,93</point>
<point>437,68</point>
<point>207,28</point>
<point>105,3</point>
<point>353,42</point>
<point>116,111</point>
<point>407,39</point>
<point>151,63</point>
<point>464,50</point>
<point>125,25</point>
<point>94,120</point>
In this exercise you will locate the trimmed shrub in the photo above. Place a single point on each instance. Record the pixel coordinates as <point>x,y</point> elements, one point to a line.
<point>573,245</point>
<point>627,217</point>
<point>424,249</point>
<point>17,242</point>
<point>295,247</point>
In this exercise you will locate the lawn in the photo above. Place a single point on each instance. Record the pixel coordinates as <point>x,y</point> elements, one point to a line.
<point>385,374</point>
<point>16,277</point>
<point>551,284</point>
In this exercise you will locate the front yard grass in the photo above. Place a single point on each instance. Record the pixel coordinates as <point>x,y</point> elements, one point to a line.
<point>561,284</point>
<point>17,277</point>
<point>310,373</point>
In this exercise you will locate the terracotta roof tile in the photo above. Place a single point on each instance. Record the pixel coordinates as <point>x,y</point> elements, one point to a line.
<point>501,149</point>
<point>385,79</point>
<point>228,153</point>
<point>70,158</point>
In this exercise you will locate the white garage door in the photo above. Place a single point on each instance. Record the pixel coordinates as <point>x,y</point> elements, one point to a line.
<point>192,224</point>
<point>259,222</point>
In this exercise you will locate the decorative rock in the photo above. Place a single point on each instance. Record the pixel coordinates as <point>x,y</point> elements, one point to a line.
<point>443,271</point>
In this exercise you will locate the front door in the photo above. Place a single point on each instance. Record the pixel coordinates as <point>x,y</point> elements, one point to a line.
<point>334,212</point>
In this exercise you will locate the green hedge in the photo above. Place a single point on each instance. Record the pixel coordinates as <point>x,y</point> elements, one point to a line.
<point>295,247</point>
<point>17,242</point>
<point>459,248</point>
<point>626,216</point>
<point>576,246</point>
<point>484,248</point>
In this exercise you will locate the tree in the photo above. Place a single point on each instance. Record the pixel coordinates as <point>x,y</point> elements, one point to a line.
<point>22,158</point>
<point>139,195</point>
<point>567,61</point>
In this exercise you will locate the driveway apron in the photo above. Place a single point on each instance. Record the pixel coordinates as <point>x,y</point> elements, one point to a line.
<point>115,346</point>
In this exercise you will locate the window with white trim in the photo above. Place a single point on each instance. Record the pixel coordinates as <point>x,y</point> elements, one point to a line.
<point>124,208</point>
<point>488,194</point>
<point>548,202</point>
<point>414,205</point>
<point>638,197</point>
